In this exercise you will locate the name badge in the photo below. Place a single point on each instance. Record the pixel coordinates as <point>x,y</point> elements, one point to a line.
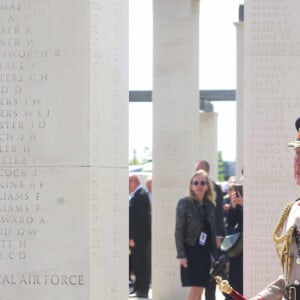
<point>202,238</point>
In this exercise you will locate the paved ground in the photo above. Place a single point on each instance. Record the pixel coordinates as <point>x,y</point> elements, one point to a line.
<point>219,296</point>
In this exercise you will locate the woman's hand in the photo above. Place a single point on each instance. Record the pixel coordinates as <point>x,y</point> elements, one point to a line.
<point>219,241</point>
<point>183,262</point>
<point>235,199</point>
<point>240,199</point>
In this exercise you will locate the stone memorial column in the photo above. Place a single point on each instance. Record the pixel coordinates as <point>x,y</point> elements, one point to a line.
<point>209,141</point>
<point>175,131</point>
<point>63,150</point>
<point>272,104</point>
<point>239,93</point>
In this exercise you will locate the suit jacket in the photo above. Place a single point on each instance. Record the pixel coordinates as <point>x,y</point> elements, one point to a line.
<point>189,224</point>
<point>219,214</point>
<point>139,217</point>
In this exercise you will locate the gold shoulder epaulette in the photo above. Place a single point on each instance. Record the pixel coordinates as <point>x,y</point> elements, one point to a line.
<point>284,242</point>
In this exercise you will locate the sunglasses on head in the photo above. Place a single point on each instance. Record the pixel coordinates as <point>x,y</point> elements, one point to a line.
<point>199,182</point>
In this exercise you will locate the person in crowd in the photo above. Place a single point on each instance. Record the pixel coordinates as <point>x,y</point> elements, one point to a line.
<point>139,235</point>
<point>195,234</point>
<point>149,188</point>
<point>210,291</point>
<point>220,226</point>
<point>287,243</point>
<point>227,204</point>
<point>235,222</point>
<point>226,197</point>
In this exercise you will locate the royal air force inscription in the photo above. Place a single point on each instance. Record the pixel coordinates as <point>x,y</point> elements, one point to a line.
<point>23,119</point>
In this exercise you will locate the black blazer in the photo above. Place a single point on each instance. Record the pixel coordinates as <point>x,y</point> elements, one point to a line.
<point>139,217</point>
<point>235,218</point>
<point>189,225</point>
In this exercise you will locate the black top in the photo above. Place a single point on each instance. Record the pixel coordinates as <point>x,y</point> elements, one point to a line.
<point>235,218</point>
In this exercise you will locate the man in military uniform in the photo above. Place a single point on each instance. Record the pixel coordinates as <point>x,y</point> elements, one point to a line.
<point>287,241</point>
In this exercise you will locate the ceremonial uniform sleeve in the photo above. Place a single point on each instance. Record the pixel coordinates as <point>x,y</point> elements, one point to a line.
<point>274,291</point>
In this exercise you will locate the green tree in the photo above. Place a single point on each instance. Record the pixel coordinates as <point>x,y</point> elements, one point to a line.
<point>134,160</point>
<point>221,168</point>
<point>146,154</point>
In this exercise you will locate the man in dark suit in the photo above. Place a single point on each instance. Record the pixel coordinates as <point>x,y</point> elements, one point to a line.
<point>139,235</point>
<point>210,291</point>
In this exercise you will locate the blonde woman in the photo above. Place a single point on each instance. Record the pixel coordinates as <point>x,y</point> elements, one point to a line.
<point>195,234</point>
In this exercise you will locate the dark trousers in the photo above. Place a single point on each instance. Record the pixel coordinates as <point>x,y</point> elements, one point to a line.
<point>149,259</point>
<point>210,290</point>
<point>236,273</point>
<point>130,266</point>
<point>140,263</point>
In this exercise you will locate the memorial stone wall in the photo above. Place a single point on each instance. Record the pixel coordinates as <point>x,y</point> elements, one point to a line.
<point>175,131</point>
<point>272,104</point>
<point>63,150</point>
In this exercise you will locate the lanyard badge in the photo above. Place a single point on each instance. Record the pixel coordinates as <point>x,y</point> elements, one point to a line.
<point>202,238</point>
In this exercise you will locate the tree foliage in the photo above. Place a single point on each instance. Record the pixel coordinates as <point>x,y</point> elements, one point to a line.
<point>221,167</point>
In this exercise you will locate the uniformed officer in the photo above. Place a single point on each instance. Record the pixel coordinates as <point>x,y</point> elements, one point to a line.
<point>287,242</point>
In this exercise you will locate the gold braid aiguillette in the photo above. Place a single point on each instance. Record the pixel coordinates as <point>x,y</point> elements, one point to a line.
<point>283,243</point>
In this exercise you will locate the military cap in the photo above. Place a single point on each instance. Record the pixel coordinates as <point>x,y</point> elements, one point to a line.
<point>296,142</point>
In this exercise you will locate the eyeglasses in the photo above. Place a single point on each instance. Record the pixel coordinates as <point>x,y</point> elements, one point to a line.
<point>199,182</point>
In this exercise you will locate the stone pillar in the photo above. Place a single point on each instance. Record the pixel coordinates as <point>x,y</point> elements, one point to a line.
<point>175,131</point>
<point>64,150</point>
<point>272,104</point>
<point>239,93</point>
<point>209,141</point>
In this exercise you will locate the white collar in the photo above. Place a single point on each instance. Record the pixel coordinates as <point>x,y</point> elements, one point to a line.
<point>132,193</point>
